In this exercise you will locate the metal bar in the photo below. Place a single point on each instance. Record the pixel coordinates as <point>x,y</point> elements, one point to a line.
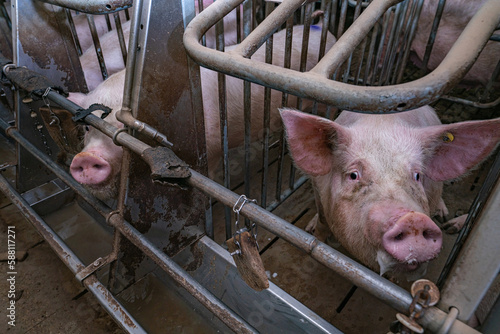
<point>73,31</point>
<point>106,299</point>
<point>121,38</point>
<point>184,279</point>
<point>316,85</point>
<point>93,6</point>
<point>469,278</point>
<point>97,46</point>
<point>432,35</point>
<point>359,275</point>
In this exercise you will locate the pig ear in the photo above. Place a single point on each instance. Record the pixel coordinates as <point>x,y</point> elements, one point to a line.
<point>311,140</point>
<point>455,149</point>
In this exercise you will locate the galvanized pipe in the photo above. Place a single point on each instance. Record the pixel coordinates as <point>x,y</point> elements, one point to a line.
<point>359,275</point>
<point>124,115</point>
<point>92,6</point>
<point>107,300</point>
<point>230,318</point>
<point>315,85</point>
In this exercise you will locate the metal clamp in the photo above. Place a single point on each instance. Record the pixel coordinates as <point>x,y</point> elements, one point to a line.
<point>96,265</point>
<point>108,218</point>
<point>425,293</point>
<point>116,133</point>
<point>242,200</point>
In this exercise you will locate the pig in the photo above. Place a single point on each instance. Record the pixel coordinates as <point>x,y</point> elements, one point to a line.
<point>456,15</point>
<point>112,57</point>
<point>378,179</point>
<point>235,93</point>
<point>98,165</point>
<point>83,30</point>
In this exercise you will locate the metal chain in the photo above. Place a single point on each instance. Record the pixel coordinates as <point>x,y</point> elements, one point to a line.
<point>242,200</point>
<point>53,117</point>
<point>39,127</point>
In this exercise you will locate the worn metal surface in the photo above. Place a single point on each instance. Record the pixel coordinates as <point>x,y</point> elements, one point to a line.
<point>146,246</point>
<point>316,85</point>
<point>469,278</point>
<point>165,104</point>
<point>121,316</point>
<point>269,311</point>
<point>93,6</point>
<point>52,54</point>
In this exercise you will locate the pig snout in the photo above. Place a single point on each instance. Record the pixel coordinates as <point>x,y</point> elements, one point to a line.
<point>88,168</point>
<point>413,239</point>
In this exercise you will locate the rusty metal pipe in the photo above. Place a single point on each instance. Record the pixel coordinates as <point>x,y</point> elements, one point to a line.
<point>388,292</point>
<point>93,6</point>
<point>225,314</point>
<point>107,300</point>
<point>124,115</point>
<point>317,86</point>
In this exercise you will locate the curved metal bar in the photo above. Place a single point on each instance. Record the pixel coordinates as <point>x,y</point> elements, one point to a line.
<point>317,86</point>
<point>93,6</point>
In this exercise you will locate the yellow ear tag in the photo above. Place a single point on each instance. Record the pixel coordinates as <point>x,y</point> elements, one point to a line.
<point>448,137</point>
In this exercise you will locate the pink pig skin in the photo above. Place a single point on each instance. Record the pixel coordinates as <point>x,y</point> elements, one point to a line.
<point>98,165</point>
<point>378,179</point>
<point>456,15</point>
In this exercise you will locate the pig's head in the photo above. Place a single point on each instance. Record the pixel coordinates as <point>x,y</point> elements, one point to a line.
<point>98,165</point>
<point>378,181</point>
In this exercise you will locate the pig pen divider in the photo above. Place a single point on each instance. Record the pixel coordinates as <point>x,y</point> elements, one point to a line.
<point>316,84</point>
<point>386,291</point>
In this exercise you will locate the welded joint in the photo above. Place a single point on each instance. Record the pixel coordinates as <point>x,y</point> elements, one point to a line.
<point>448,322</point>
<point>94,266</point>
<point>111,214</point>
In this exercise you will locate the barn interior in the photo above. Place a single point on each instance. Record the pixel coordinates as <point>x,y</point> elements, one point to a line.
<point>154,259</point>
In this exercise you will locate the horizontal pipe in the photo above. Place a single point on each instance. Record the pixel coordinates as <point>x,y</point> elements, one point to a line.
<point>93,6</point>
<point>350,97</point>
<point>180,276</point>
<point>386,291</point>
<point>112,306</point>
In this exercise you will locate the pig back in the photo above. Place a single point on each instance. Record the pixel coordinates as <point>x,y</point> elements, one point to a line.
<point>235,96</point>
<point>418,118</point>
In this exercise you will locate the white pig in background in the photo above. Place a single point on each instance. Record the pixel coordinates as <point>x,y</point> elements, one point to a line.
<point>83,30</point>
<point>235,93</point>
<point>378,179</point>
<point>230,26</point>
<point>98,165</point>
<point>456,15</point>
<point>112,54</point>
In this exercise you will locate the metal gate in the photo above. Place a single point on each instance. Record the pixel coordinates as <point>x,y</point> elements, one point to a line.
<point>169,228</point>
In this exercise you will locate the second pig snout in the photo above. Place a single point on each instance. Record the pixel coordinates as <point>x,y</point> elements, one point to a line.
<point>88,168</point>
<point>413,239</point>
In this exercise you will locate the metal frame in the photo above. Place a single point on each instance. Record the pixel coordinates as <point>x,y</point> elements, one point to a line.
<point>316,84</point>
<point>388,292</point>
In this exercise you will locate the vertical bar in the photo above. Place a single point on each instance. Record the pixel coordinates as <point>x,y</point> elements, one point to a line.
<point>97,45</point>
<point>266,120</point>
<point>73,31</point>
<point>121,38</point>
<point>282,145</point>
<point>108,22</point>
<point>432,36</point>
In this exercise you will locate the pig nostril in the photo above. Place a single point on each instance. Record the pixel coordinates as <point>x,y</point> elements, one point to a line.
<point>97,166</point>
<point>399,237</point>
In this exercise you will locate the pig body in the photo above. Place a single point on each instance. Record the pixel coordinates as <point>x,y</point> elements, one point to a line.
<point>456,15</point>
<point>378,179</point>
<point>98,165</point>
<point>83,30</point>
<point>110,93</point>
<point>230,26</point>
<point>235,94</point>
<point>112,57</point>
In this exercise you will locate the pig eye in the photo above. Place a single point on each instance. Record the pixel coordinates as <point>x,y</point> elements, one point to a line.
<point>416,176</point>
<point>354,176</point>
